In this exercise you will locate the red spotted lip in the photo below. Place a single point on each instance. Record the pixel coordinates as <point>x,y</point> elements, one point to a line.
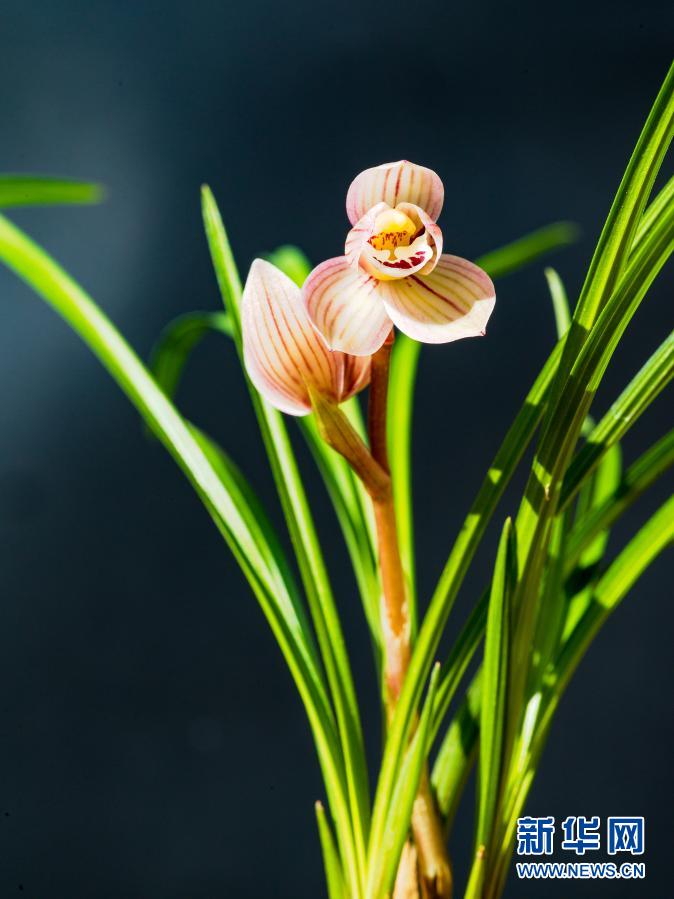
<point>413,261</point>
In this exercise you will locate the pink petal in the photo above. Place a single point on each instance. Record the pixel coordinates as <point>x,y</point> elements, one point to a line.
<point>453,302</point>
<point>345,307</point>
<point>393,183</point>
<point>283,353</point>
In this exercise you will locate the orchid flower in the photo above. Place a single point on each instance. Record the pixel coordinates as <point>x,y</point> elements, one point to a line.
<point>286,359</point>
<point>393,271</point>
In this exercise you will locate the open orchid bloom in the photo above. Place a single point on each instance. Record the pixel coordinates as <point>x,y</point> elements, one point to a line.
<point>285,357</point>
<point>393,271</point>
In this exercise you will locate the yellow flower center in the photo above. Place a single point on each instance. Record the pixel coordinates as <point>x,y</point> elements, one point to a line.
<point>392,229</point>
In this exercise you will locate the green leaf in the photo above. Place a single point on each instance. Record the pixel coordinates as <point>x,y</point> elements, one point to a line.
<point>560,302</point>
<point>333,868</point>
<point>292,261</point>
<point>609,590</point>
<point>639,476</point>
<point>655,536</point>
<point>263,533</point>
<point>644,387</point>
<point>452,767</point>
<point>574,390</point>
<point>40,272</point>
<point>617,237</point>
<point>351,824</point>
<point>520,253</point>
<point>402,379</point>
<point>495,684</point>
<point>617,288</point>
<point>459,658</point>
<point>387,842</point>
<point>513,447</point>
<point>40,190</point>
<point>457,752</point>
<point>478,871</point>
<point>345,491</point>
<point>598,487</point>
<point>475,524</point>
<point>404,363</point>
<point>168,360</point>
<point>178,340</point>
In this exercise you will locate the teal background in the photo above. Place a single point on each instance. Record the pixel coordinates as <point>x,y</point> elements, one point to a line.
<point>151,743</point>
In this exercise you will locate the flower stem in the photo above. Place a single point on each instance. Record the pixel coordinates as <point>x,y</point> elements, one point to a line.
<point>371,465</point>
<point>434,868</point>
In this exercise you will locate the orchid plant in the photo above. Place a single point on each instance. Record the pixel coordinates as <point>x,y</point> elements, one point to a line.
<point>310,342</point>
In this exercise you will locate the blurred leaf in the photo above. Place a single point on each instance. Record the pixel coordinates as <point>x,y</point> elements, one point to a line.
<point>292,261</point>
<point>522,252</point>
<point>40,190</point>
<point>178,340</point>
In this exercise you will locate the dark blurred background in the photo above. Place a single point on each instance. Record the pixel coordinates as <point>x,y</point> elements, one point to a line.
<point>152,744</point>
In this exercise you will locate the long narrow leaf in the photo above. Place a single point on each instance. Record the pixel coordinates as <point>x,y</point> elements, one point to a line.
<point>39,190</point>
<point>638,477</point>
<point>178,340</point>
<point>168,360</point>
<point>404,363</point>
<point>50,281</point>
<point>655,536</point>
<point>333,869</point>
<point>495,685</point>
<point>646,385</point>
<point>387,843</point>
<point>565,417</point>
<point>522,252</point>
<point>457,752</point>
<point>456,760</point>
<point>352,828</point>
<point>457,662</point>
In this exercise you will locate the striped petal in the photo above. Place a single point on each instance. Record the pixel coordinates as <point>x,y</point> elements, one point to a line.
<point>344,304</point>
<point>358,237</point>
<point>453,302</point>
<point>393,183</point>
<point>283,353</point>
<point>356,375</point>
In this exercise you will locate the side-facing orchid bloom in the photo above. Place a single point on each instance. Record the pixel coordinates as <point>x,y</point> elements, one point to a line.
<point>286,359</point>
<point>393,271</point>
